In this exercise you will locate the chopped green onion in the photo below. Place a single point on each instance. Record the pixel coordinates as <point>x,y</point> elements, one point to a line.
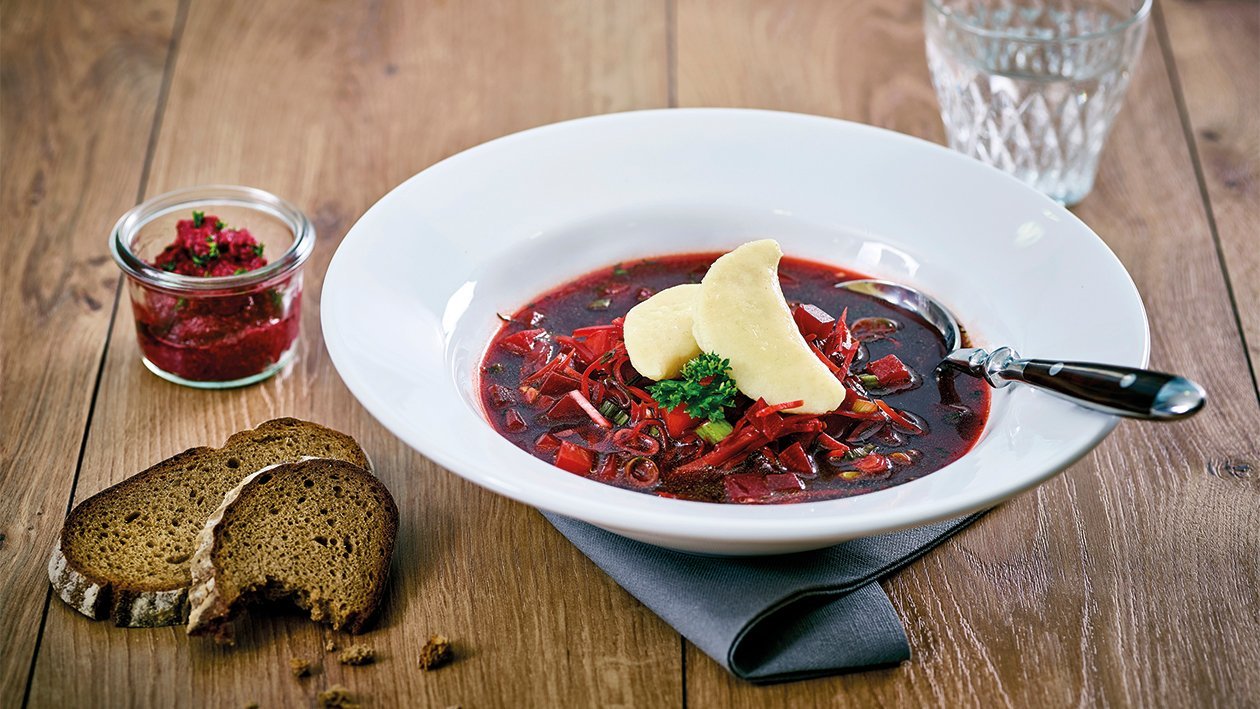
<point>714,431</point>
<point>859,452</point>
<point>599,304</point>
<point>870,381</point>
<point>614,413</point>
<point>862,406</point>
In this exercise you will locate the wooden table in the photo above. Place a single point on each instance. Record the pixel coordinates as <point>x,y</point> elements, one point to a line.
<point>1130,580</point>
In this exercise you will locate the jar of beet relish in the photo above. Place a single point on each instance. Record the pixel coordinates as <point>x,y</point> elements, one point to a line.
<point>215,279</point>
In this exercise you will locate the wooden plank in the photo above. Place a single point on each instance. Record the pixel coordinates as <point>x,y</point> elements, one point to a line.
<point>80,85</point>
<point>1216,49</point>
<point>330,108</point>
<point>1130,579</point>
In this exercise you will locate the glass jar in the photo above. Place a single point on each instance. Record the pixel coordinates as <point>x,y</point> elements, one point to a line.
<point>215,332</point>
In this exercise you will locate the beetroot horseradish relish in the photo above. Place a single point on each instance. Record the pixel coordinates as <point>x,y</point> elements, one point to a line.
<point>556,381</point>
<point>211,308</point>
<point>205,246</point>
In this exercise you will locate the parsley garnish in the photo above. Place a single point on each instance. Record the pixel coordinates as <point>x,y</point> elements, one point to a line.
<point>214,248</point>
<point>168,266</point>
<point>705,388</point>
<point>199,218</point>
<point>219,225</point>
<point>618,270</point>
<point>258,249</point>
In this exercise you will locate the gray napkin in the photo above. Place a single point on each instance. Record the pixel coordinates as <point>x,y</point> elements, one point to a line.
<point>774,618</point>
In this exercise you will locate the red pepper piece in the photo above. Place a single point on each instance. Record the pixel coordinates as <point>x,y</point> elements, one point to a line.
<point>574,458</point>
<point>784,482</point>
<point>794,459</point>
<point>889,370</point>
<point>678,421</point>
<point>547,443</point>
<point>555,383</point>
<point>746,487</point>
<point>607,469</point>
<point>573,406</point>
<point>513,421</point>
<point>536,359</point>
<point>599,343</point>
<point>499,396</point>
<point>813,322</point>
<point>521,342</point>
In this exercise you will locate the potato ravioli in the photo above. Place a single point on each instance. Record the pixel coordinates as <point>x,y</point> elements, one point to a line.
<point>744,377</point>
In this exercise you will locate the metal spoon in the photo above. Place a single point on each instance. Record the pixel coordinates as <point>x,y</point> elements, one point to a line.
<point>1124,391</point>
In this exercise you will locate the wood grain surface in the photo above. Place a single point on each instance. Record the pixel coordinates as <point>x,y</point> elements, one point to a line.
<point>80,83</point>
<point>1215,47</point>
<point>1130,580</point>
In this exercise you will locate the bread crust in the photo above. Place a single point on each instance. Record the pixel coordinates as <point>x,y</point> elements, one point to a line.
<point>207,611</point>
<point>137,605</point>
<point>211,614</point>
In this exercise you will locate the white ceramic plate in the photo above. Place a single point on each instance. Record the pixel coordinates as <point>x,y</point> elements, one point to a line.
<point>410,298</point>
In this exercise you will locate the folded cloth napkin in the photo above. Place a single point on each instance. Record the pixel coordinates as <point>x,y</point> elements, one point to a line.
<point>772,618</point>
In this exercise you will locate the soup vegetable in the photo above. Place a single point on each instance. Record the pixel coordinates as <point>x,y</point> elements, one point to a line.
<point>737,378</point>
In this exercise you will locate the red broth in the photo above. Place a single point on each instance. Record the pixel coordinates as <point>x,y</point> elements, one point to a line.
<point>946,412</point>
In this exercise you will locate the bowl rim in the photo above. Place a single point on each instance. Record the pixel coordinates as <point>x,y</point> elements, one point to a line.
<point>729,522</point>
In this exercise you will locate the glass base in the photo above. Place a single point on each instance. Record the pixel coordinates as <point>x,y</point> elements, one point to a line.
<point>230,384</point>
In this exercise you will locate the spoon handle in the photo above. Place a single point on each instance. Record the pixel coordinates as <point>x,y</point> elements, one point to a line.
<point>1124,391</point>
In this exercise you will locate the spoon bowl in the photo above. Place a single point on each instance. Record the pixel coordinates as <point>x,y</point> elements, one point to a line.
<point>1112,389</point>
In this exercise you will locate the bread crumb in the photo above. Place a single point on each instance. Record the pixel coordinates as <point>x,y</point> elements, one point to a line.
<point>359,654</point>
<point>337,697</point>
<point>435,653</point>
<point>330,646</point>
<point>300,667</point>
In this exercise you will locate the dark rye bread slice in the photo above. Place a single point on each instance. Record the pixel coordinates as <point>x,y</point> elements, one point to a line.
<point>318,532</point>
<point>124,552</point>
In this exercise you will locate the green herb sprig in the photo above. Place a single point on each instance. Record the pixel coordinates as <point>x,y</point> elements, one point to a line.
<point>706,388</point>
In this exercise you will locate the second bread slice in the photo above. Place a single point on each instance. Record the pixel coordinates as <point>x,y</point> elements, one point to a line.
<point>319,532</point>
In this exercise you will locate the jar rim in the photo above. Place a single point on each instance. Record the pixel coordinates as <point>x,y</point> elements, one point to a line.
<point>1136,17</point>
<point>190,197</point>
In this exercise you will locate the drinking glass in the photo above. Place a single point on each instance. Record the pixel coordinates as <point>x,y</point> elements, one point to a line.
<point>1032,86</point>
